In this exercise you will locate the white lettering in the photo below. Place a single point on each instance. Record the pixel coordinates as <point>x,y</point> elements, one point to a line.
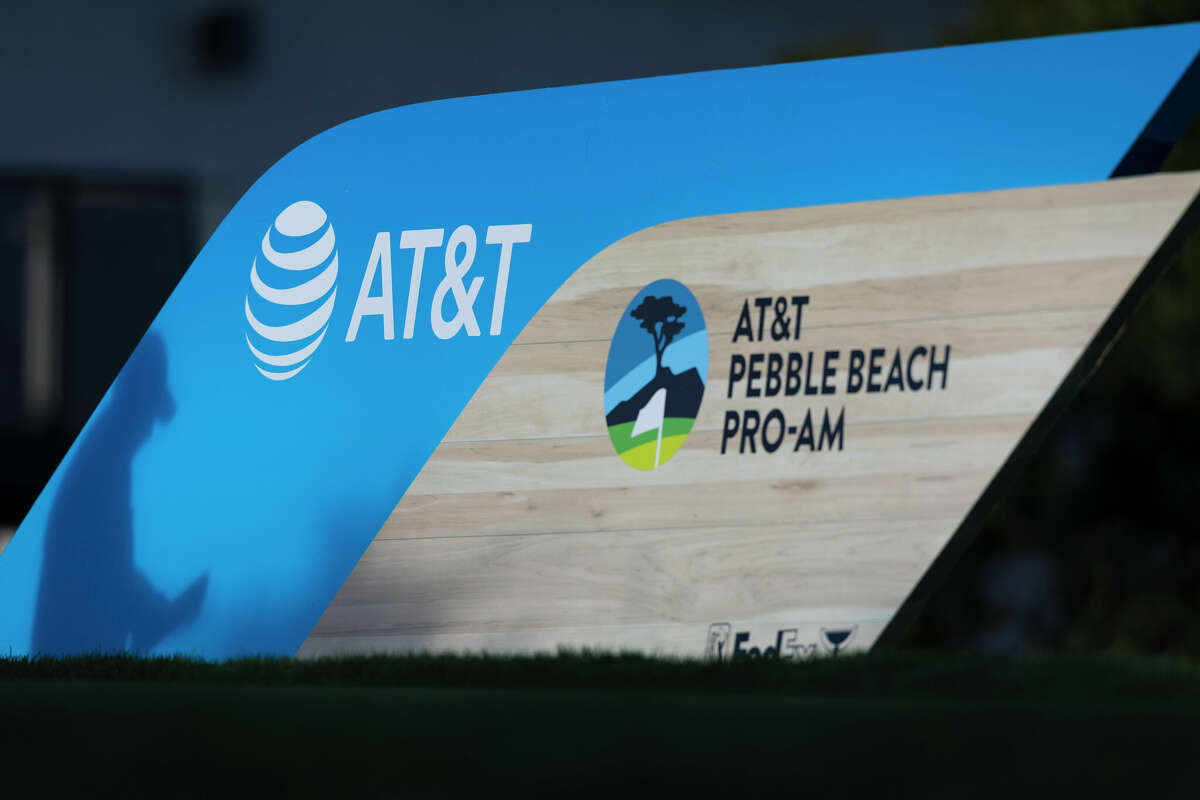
<point>380,305</point>
<point>418,241</point>
<point>505,236</point>
<point>453,293</point>
<point>464,297</point>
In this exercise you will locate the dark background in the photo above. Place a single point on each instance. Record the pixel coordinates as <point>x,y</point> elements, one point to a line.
<point>129,133</point>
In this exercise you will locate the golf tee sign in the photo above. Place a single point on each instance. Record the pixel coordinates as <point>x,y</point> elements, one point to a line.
<point>710,364</point>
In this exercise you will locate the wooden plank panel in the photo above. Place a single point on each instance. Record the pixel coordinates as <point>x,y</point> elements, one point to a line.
<point>1051,286</point>
<point>530,466</point>
<point>564,396</point>
<point>800,630</point>
<point>526,530</point>
<point>682,575</point>
<point>1005,235</point>
<point>717,501</point>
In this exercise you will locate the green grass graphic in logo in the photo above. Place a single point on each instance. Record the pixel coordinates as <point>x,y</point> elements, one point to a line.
<point>656,372</point>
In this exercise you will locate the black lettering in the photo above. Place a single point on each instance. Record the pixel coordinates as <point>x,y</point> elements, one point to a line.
<point>777,650</point>
<point>829,372</point>
<point>913,383</point>
<point>874,369</point>
<point>763,303</point>
<point>830,434</point>
<point>809,386</point>
<point>740,638</point>
<point>806,432</point>
<point>754,373</point>
<point>732,423</point>
<point>749,430</point>
<point>791,384</point>
<point>942,366</point>
<point>743,324</point>
<point>774,381</point>
<point>769,445</point>
<point>737,370</point>
<point>799,301</point>
<point>780,329</point>
<point>895,373</point>
<point>854,376</point>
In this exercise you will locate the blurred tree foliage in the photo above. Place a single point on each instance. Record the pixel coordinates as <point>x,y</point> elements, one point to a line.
<point>1097,547</point>
<point>858,41</point>
<point>1017,19</point>
<point>1109,505</point>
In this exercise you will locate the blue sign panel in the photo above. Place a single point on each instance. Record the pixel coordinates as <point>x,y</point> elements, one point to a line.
<point>339,319</point>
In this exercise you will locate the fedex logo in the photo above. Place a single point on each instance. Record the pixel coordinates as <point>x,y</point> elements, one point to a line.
<point>723,644</point>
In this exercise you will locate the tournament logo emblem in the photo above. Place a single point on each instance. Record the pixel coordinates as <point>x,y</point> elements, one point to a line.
<point>293,285</point>
<point>656,372</point>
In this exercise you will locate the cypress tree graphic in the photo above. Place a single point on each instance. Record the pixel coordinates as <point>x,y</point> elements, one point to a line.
<point>667,402</point>
<point>660,318</point>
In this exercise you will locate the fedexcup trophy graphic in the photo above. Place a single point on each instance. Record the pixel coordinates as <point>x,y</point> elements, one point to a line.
<point>834,639</point>
<point>656,373</point>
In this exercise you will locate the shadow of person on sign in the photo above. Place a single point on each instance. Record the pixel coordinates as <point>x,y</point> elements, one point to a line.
<point>92,597</point>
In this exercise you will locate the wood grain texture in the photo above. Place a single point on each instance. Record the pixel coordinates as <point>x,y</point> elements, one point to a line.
<point>525,530</point>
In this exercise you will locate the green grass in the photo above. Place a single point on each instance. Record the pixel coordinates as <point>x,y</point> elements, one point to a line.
<point>672,426</point>
<point>1111,678</point>
<point>891,724</point>
<point>638,451</point>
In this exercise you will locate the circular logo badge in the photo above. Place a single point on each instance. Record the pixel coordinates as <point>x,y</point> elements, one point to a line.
<point>656,372</point>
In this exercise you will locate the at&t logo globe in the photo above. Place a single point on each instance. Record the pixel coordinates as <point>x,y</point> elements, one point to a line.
<point>293,285</point>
